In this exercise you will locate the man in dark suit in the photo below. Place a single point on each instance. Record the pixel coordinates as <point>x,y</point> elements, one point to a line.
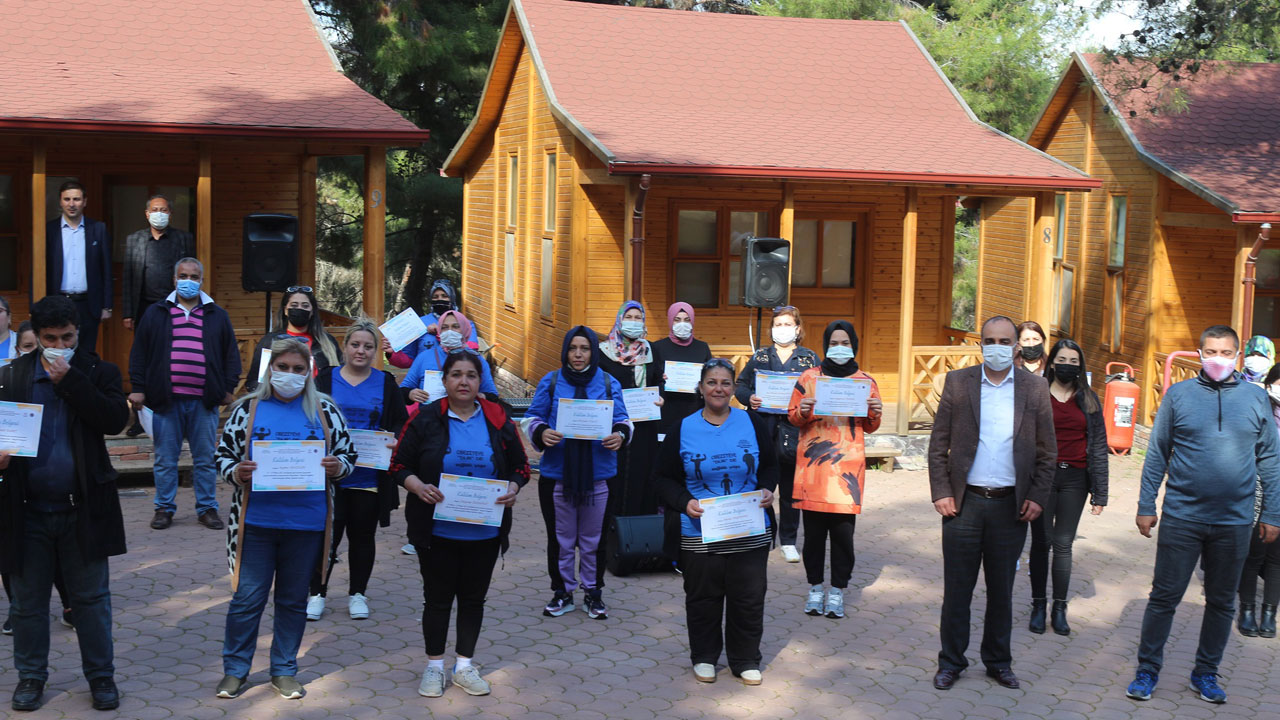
<point>991,466</point>
<point>78,262</point>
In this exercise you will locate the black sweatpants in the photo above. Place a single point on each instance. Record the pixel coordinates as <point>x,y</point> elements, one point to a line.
<point>817,526</point>
<point>546,502</point>
<point>355,513</point>
<point>452,569</point>
<point>733,586</point>
<point>1056,528</point>
<point>1264,557</point>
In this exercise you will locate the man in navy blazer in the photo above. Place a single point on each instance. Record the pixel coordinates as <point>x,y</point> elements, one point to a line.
<point>78,262</point>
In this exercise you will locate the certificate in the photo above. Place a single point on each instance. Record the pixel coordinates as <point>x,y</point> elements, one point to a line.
<point>288,465</point>
<point>20,428</point>
<point>433,384</point>
<point>682,376</point>
<point>774,390</point>
<point>372,449</point>
<point>641,404</point>
<point>471,500</point>
<point>403,329</point>
<point>147,419</point>
<point>841,397</point>
<point>584,419</point>
<point>732,516</point>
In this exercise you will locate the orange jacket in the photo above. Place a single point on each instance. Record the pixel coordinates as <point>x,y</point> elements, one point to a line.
<point>831,464</point>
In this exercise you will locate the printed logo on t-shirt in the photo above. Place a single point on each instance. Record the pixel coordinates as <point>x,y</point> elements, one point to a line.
<point>728,472</point>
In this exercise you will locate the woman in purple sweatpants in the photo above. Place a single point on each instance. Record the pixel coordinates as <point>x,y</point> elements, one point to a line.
<point>573,483</point>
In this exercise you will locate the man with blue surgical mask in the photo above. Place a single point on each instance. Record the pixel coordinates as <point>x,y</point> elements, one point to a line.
<point>992,458</point>
<point>184,364</point>
<point>149,257</point>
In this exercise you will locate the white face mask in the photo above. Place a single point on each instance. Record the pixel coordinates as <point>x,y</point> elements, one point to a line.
<point>1274,392</point>
<point>1218,368</point>
<point>998,358</point>
<point>682,330</point>
<point>451,339</point>
<point>840,354</point>
<point>1257,365</point>
<point>287,384</point>
<point>51,355</point>
<point>632,329</point>
<point>159,220</point>
<point>784,334</point>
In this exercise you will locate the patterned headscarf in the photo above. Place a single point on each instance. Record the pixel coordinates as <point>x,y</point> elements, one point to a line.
<point>621,350</point>
<point>1259,345</point>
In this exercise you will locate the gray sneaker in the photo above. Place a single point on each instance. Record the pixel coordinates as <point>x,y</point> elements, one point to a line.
<point>288,687</point>
<point>468,678</point>
<point>813,606</point>
<point>432,684</point>
<point>231,686</point>
<point>835,603</point>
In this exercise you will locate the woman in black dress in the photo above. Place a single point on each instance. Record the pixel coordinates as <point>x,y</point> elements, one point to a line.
<point>628,357</point>
<point>679,346</point>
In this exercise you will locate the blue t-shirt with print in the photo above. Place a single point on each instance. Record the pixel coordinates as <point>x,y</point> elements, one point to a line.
<point>718,460</point>
<point>361,405</point>
<point>469,454</point>
<point>292,510</point>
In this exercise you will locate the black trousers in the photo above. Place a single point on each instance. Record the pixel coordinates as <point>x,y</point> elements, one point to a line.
<point>455,569</point>
<point>1056,527</point>
<point>731,586</point>
<point>546,502</point>
<point>355,514</point>
<point>88,325</point>
<point>1264,557</point>
<point>985,535</point>
<point>788,515</point>
<point>839,526</point>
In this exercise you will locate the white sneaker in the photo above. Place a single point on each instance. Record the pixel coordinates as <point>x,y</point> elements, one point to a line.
<point>835,603</point>
<point>432,684</point>
<point>790,554</point>
<point>751,677</point>
<point>409,549</point>
<point>468,678</point>
<point>704,672</point>
<point>358,606</point>
<point>315,607</point>
<point>813,606</point>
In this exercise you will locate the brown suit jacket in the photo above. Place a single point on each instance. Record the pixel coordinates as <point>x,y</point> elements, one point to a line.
<point>954,440</point>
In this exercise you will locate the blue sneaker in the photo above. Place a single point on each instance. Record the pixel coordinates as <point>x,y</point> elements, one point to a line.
<point>1207,685</point>
<point>1143,683</point>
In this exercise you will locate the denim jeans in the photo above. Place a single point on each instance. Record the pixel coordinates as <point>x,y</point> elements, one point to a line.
<point>1179,547</point>
<point>1056,527</point>
<point>288,557</point>
<point>49,536</point>
<point>186,418</point>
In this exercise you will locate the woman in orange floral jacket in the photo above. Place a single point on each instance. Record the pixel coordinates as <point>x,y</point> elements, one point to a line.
<point>830,469</point>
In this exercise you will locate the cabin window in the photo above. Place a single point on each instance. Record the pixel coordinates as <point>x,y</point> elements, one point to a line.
<point>1060,227</point>
<point>708,243</point>
<point>1063,272</point>
<point>548,276</point>
<point>509,269</point>
<point>513,190</point>
<point>824,253</point>
<point>1115,243</point>
<point>549,194</point>
<point>1113,291</point>
<point>9,261</point>
<point>1266,300</point>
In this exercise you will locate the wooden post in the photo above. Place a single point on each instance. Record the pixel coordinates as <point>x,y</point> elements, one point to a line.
<point>787,225</point>
<point>467,177</point>
<point>38,269</point>
<point>628,210</point>
<point>375,229</point>
<point>578,246</point>
<point>204,217</point>
<point>907,307</point>
<point>1244,243</point>
<point>307,168</point>
<point>1039,302</point>
<point>1157,267</point>
<point>946,267</point>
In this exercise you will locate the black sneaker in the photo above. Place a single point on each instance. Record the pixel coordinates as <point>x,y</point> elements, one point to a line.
<point>105,694</point>
<point>595,606</point>
<point>561,603</point>
<point>28,694</point>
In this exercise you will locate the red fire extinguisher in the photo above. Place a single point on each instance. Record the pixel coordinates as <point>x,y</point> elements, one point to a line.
<point>1119,408</point>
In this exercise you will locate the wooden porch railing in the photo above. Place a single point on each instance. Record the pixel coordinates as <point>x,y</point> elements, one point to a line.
<point>961,337</point>
<point>929,367</point>
<point>1184,368</point>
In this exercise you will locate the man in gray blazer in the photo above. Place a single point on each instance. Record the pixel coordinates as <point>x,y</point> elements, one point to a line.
<point>991,465</point>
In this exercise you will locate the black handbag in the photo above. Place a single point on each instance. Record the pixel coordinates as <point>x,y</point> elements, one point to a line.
<point>787,441</point>
<point>636,545</point>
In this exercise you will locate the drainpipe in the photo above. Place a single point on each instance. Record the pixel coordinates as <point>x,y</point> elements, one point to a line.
<point>637,241</point>
<point>1250,279</point>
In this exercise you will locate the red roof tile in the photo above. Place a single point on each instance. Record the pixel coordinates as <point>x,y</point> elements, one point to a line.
<point>181,66</point>
<point>1227,141</point>
<point>689,92</point>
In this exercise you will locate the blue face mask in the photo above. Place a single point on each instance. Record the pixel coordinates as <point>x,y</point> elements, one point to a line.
<point>188,289</point>
<point>632,329</point>
<point>840,354</point>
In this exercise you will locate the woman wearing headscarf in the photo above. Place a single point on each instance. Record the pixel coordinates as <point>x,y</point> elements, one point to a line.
<point>573,488</point>
<point>679,346</point>
<point>831,469</point>
<point>628,357</point>
<point>1263,559</point>
<point>1259,356</point>
<point>454,327</point>
<point>443,298</point>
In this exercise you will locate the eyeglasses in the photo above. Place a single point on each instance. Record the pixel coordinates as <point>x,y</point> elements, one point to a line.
<point>299,288</point>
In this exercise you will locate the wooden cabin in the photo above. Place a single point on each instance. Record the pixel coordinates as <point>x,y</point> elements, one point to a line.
<point>189,103</point>
<point>1189,172</point>
<point>841,136</point>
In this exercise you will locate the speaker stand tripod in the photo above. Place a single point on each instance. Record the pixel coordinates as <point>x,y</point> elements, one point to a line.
<point>268,318</point>
<point>759,328</point>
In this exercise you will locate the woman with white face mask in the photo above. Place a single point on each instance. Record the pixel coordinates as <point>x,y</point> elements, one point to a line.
<point>785,355</point>
<point>627,356</point>
<point>679,346</point>
<point>276,537</point>
<point>1259,356</point>
<point>1263,558</point>
<point>454,329</point>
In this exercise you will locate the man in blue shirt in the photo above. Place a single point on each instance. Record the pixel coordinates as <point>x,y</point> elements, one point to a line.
<point>1215,440</point>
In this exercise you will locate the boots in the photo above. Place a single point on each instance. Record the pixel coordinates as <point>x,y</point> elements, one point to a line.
<point>1248,621</point>
<point>1267,622</point>
<point>1059,618</point>
<point>1036,624</point>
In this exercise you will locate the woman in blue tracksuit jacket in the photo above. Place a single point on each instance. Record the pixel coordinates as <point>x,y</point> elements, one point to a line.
<point>573,487</point>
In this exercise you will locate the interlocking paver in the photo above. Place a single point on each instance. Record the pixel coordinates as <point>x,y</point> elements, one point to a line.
<point>170,597</point>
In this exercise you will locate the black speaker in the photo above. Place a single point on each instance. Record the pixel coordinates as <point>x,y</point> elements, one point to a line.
<point>766,272</point>
<point>270,254</point>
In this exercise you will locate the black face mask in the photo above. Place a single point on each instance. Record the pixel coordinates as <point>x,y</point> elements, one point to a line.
<point>298,317</point>
<point>1033,352</point>
<point>440,307</point>
<point>1066,373</point>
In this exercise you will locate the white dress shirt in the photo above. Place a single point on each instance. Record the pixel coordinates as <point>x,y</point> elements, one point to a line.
<point>993,464</point>
<point>75,278</point>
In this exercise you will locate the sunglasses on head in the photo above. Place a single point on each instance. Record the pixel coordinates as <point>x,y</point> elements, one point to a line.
<point>299,288</point>
<point>718,362</point>
<point>784,308</point>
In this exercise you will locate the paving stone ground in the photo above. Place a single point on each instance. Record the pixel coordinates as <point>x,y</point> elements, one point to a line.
<point>170,598</point>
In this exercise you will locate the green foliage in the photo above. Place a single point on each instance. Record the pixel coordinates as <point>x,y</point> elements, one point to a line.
<point>1177,33</point>
<point>964,277</point>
